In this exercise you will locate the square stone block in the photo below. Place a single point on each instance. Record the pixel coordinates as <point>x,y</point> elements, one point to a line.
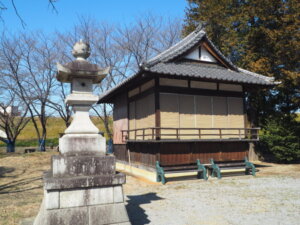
<point>51,199</point>
<point>78,143</point>
<point>118,194</point>
<point>82,165</point>
<point>78,182</point>
<point>108,214</point>
<point>73,198</point>
<point>72,216</point>
<point>101,195</point>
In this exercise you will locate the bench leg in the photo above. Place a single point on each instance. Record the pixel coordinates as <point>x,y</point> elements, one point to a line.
<point>202,173</point>
<point>161,178</point>
<point>160,174</point>
<point>249,166</point>
<point>216,171</point>
<point>253,170</point>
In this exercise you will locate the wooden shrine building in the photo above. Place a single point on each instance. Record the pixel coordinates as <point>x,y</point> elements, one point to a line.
<point>186,103</point>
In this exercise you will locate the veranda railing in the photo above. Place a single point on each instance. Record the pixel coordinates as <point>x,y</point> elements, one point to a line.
<point>168,133</point>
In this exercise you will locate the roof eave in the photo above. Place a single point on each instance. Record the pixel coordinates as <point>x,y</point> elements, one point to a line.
<point>108,96</point>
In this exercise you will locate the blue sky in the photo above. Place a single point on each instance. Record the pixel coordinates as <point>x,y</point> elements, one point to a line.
<point>38,15</point>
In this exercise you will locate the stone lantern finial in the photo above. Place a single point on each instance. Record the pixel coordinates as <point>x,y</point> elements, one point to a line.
<point>81,50</point>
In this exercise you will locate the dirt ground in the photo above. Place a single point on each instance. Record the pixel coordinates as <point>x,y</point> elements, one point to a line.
<point>272,197</point>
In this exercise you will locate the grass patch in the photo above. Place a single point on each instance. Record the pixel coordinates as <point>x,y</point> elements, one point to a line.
<point>21,185</point>
<point>55,126</point>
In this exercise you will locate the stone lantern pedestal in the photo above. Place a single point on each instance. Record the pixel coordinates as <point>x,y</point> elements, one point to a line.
<point>82,187</point>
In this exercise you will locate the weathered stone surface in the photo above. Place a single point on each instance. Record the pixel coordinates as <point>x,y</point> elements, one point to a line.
<point>74,143</point>
<point>102,195</point>
<point>108,214</point>
<point>51,199</point>
<point>72,198</point>
<point>59,183</point>
<point>69,216</point>
<point>82,165</point>
<point>118,194</point>
<point>92,215</point>
<point>72,216</point>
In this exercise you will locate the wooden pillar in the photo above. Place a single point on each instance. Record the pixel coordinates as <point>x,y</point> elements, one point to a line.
<point>157,108</point>
<point>246,122</point>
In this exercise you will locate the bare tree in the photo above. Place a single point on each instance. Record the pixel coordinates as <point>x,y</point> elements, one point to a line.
<point>13,117</point>
<point>29,63</point>
<point>122,48</point>
<point>12,4</point>
<point>12,123</point>
<point>61,90</point>
<point>148,36</point>
<point>57,103</point>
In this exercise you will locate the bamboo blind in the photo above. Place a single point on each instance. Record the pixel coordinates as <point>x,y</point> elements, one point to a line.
<point>187,116</point>
<point>188,111</point>
<point>204,114</point>
<point>169,116</point>
<point>235,114</point>
<point>149,116</point>
<point>141,115</point>
<point>220,118</point>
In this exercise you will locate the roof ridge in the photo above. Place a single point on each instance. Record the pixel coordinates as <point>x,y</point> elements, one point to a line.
<point>164,55</point>
<point>184,45</point>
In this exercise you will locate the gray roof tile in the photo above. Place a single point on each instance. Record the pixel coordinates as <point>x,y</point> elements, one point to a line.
<point>198,70</point>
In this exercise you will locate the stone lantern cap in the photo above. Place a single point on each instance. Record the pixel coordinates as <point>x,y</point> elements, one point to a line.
<point>80,68</point>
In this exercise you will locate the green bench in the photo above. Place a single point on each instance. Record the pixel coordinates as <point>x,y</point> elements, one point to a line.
<point>215,168</point>
<point>162,170</point>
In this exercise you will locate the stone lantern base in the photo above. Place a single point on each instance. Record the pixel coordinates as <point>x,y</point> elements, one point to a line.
<point>83,189</point>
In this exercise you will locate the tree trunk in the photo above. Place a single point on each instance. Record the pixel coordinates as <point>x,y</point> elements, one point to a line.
<point>42,145</point>
<point>10,146</point>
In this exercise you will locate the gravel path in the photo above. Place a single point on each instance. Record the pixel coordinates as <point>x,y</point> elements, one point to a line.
<point>232,200</point>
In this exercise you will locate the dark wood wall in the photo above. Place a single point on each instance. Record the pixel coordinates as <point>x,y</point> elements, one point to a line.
<point>179,153</point>
<point>120,117</point>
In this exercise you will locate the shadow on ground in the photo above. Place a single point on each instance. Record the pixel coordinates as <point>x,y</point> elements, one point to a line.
<point>19,186</point>
<point>137,214</point>
<point>5,170</point>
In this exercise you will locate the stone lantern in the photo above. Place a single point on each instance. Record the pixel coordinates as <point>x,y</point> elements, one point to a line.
<point>82,75</point>
<point>82,186</point>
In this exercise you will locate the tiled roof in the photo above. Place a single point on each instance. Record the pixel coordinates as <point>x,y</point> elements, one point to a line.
<point>165,63</point>
<point>186,44</point>
<point>198,70</point>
